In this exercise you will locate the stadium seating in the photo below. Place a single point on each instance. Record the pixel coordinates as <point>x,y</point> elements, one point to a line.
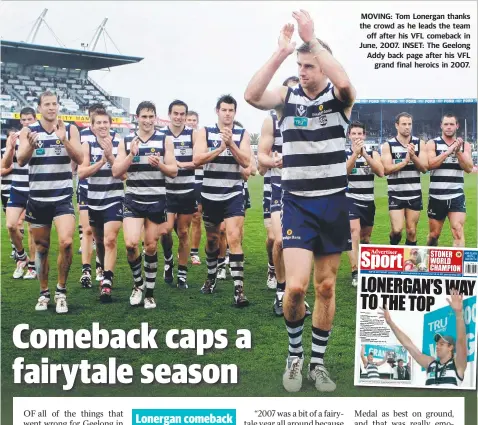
<point>74,95</point>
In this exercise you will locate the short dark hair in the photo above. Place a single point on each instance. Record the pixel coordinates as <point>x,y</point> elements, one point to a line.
<point>100,112</point>
<point>238,124</point>
<point>357,124</point>
<point>177,103</point>
<point>189,113</point>
<point>146,104</point>
<point>94,107</point>
<point>449,115</point>
<point>226,98</point>
<point>28,111</point>
<point>401,115</point>
<point>305,48</point>
<point>46,93</point>
<point>289,79</point>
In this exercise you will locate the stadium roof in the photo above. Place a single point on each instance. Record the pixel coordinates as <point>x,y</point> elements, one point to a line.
<point>60,57</point>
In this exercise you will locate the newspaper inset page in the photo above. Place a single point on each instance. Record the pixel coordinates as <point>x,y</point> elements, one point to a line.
<point>416,317</point>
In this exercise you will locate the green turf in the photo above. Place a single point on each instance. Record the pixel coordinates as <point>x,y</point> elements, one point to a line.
<point>260,367</point>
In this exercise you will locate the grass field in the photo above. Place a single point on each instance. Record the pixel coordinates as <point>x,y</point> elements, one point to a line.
<point>260,368</point>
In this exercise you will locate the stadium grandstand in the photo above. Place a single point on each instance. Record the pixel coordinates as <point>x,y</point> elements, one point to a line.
<point>28,69</point>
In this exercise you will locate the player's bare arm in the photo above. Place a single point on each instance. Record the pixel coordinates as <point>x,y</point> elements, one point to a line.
<point>72,145</point>
<point>434,160</point>
<point>253,164</point>
<point>362,356</point>
<point>356,150</point>
<point>464,158</point>
<point>256,93</point>
<point>246,173</point>
<point>6,171</point>
<point>264,148</point>
<point>456,303</point>
<point>420,160</point>
<point>422,359</point>
<point>343,87</point>
<point>374,162</point>
<point>107,146</point>
<point>201,155</point>
<point>241,154</point>
<point>388,166</point>
<point>251,170</point>
<point>86,170</point>
<point>7,160</point>
<point>168,166</point>
<point>124,160</point>
<point>28,141</point>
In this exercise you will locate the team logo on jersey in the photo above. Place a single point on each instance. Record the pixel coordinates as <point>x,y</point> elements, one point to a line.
<point>322,119</point>
<point>182,151</point>
<point>215,143</point>
<point>398,155</point>
<point>301,110</point>
<point>39,144</point>
<point>58,149</point>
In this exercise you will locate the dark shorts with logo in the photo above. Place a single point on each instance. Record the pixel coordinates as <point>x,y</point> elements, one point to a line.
<point>362,210</point>
<point>276,199</point>
<point>82,198</point>
<point>182,204</point>
<point>266,207</point>
<point>18,198</point>
<point>5,196</point>
<point>438,209</point>
<point>197,192</point>
<point>215,212</point>
<point>98,218</point>
<point>414,204</point>
<point>319,224</point>
<point>43,213</point>
<point>154,212</point>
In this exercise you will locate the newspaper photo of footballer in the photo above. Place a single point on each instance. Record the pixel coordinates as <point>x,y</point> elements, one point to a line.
<point>385,362</point>
<point>416,317</point>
